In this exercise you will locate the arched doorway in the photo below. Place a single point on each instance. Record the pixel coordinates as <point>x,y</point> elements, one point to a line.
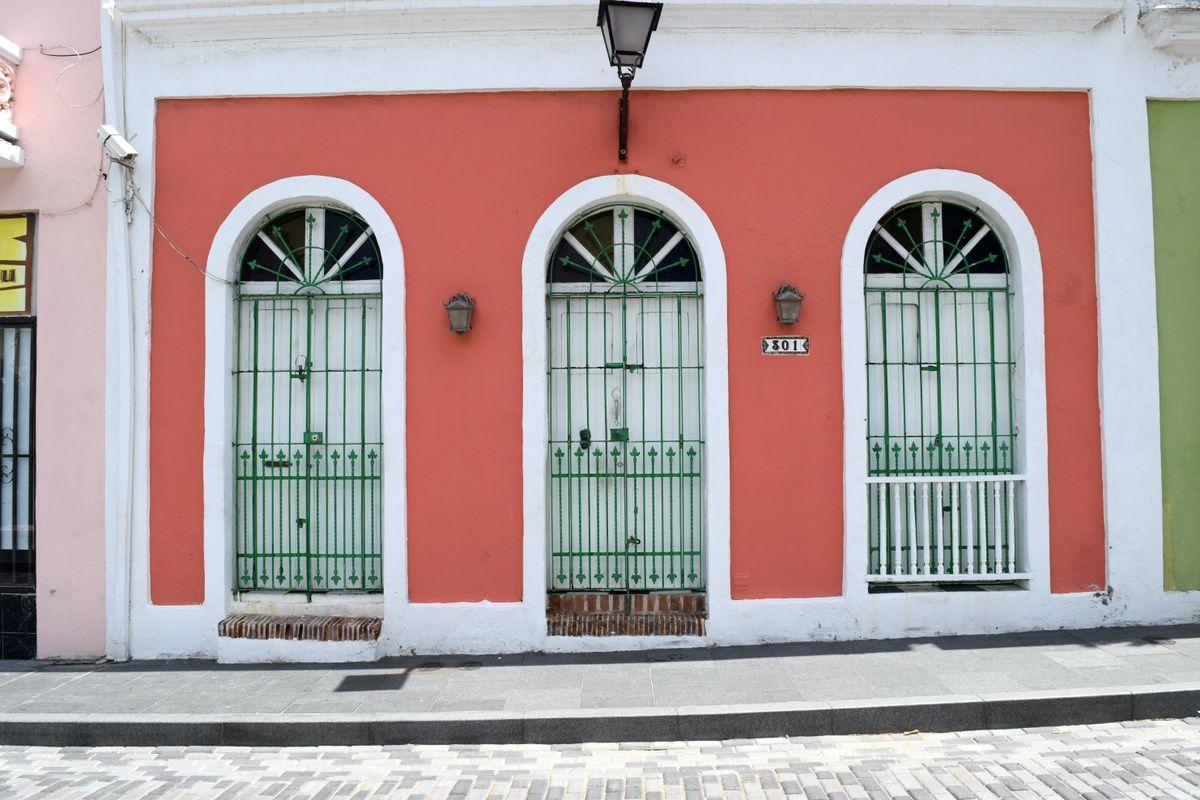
<point>626,504</point>
<point>308,448</point>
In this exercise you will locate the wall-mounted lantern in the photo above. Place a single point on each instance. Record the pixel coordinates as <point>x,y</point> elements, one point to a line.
<point>459,309</point>
<point>787,304</point>
<point>627,26</point>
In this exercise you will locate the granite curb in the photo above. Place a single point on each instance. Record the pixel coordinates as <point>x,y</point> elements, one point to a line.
<point>684,723</point>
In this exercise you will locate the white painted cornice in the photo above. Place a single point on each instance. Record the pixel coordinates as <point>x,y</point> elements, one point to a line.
<point>10,155</point>
<point>1174,27</point>
<point>10,51</point>
<point>171,22</point>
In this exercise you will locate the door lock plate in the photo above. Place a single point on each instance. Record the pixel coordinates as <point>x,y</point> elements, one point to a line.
<point>314,437</point>
<point>618,434</point>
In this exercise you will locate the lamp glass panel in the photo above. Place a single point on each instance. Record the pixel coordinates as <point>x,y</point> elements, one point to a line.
<point>460,319</point>
<point>631,26</point>
<point>606,29</point>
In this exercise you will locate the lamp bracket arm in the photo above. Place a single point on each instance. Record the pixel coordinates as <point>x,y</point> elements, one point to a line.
<point>626,82</point>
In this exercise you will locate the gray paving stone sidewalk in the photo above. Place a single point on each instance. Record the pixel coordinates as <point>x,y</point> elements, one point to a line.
<point>783,673</point>
<point>933,684</point>
<point>882,672</point>
<point>1134,760</point>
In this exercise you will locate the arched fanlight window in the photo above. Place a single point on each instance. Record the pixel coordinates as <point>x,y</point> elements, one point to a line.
<point>624,245</point>
<point>311,246</point>
<point>935,242</point>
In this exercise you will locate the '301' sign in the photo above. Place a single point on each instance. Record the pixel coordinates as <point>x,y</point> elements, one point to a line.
<point>785,345</point>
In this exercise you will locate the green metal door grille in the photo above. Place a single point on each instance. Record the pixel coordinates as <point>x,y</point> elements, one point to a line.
<point>940,381</point>
<point>626,450</point>
<point>308,419</point>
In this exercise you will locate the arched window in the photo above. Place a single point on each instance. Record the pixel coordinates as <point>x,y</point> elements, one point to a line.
<point>311,247</point>
<point>941,428</point>
<point>307,419</point>
<point>626,448</point>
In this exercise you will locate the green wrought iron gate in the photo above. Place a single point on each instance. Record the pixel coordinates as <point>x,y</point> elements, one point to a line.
<point>307,449</point>
<point>943,487</point>
<point>626,450</point>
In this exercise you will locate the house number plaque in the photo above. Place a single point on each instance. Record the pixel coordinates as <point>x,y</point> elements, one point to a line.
<point>785,345</point>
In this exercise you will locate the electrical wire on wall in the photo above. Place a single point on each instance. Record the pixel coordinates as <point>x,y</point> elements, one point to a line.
<point>132,190</point>
<point>136,193</point>
<point>91,198</point>
<point>78,56</point>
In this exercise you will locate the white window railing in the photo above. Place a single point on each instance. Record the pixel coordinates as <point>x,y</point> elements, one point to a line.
<point>937,529</point>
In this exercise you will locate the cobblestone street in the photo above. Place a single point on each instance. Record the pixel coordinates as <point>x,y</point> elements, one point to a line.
<point>1159,759</point>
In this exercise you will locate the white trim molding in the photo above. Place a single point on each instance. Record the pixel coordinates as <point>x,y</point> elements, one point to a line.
<point>121,420</point>
<point>1025,264</point>
<point>699,228</point>
<point>10,51</point>
<point>223,262</point>
<point>10,154</point>
<point>1173,27</point>
<point>168,22</point>
<point>192,630</point>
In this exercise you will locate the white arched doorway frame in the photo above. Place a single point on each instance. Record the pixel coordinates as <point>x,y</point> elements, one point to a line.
<point>699,228</point>
<point>1025,264</point>
<point>222,264</point>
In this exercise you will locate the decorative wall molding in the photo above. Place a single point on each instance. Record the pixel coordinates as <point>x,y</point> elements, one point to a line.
<point>10,56</point>
<point>168,22</point>
<point>1174,27</point>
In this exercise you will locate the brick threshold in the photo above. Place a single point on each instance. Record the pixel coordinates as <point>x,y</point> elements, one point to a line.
<point>618,614</point>
<point>300,628</point>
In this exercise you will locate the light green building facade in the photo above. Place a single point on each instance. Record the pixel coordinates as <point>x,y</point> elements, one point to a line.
<point>1175,162</point>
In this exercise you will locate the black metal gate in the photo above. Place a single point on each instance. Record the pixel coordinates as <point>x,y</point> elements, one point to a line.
<point>17,480</point>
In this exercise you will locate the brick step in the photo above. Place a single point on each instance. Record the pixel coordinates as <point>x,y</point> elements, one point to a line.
<point>622,624</point>
<point>619,614</point>
<point>689,603</point>
<point>300,628</point>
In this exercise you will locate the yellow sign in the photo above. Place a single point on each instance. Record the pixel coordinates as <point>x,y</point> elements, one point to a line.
<point>16,263</point>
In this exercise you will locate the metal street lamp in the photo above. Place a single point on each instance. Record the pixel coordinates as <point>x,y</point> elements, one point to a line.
<point>627,25</point>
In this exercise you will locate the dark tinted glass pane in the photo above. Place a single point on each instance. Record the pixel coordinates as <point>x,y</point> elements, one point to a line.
<point>677,266</point>
<point>289,229</point>
<point>960,227</point>
<point>595,234</point>
<point>567,266</point>
<point>260,264</point>
<point>343,232</point>
<point>653,232</point>
<point>904,228</point>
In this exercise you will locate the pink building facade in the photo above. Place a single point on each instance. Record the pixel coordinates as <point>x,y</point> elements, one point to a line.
<point>52,330</point>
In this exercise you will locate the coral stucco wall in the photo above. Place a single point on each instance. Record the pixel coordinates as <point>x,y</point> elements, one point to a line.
<point>781,174</point>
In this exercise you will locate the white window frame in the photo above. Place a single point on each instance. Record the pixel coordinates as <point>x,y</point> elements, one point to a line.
<point>223,264</point>
<point>691,218</point>
<point>1017,235</point>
